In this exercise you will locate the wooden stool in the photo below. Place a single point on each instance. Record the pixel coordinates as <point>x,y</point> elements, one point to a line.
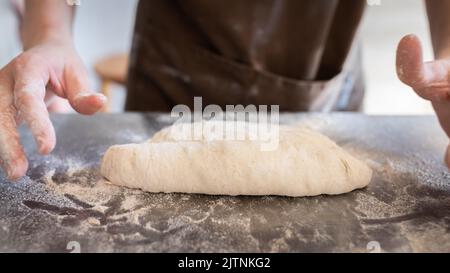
<point>112,69</point>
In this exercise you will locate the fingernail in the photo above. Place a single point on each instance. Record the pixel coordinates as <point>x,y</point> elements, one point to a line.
<point>102,97</point>
<point>89,94</point>
<point>45,147</point>
<point>16,169</point>
<point>83,95</point>
<point>12,173</point>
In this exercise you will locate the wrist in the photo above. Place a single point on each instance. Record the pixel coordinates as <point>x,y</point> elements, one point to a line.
<point>53,36</point>
<point>46,21</point>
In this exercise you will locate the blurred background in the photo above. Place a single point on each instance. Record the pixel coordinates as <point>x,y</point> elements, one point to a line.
<point>103,31</point>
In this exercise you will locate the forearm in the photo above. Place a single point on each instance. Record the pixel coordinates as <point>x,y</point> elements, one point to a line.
<point>439,19</point>
<point>47,20</point>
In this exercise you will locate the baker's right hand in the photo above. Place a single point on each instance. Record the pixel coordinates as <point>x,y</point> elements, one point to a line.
<point>27,84</point>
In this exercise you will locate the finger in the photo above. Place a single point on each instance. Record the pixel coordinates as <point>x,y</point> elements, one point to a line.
<point>429,80</point>
<point>447,157</point>
<point>81,98</point>
<point>12,156</point>
<point>55,103</point>
<point>442,109</point>
<point>59,105</point>
<point>29,92</point>
<point>50,96</point>
<point>410,68</point>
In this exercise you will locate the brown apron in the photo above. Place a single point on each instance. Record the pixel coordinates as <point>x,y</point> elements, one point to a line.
<point>297,54</point>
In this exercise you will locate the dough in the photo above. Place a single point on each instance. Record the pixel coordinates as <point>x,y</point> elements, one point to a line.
<point>305,163</point>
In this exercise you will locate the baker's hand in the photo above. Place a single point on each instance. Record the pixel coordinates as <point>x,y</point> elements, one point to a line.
<point>430,80</point>
<point>27,84</point>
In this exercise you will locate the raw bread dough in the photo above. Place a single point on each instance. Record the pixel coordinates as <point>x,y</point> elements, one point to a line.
<point>305,163</point>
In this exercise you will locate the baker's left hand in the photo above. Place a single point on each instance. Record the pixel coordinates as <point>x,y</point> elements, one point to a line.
<point>430,80</point>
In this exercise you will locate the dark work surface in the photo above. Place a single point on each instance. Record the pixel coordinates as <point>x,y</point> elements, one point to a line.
<point>64,204</point>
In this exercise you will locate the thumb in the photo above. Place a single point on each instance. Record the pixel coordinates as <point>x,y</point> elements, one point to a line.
<point>79,94</point>
<point>410,67</point>
<point>430,79</point>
